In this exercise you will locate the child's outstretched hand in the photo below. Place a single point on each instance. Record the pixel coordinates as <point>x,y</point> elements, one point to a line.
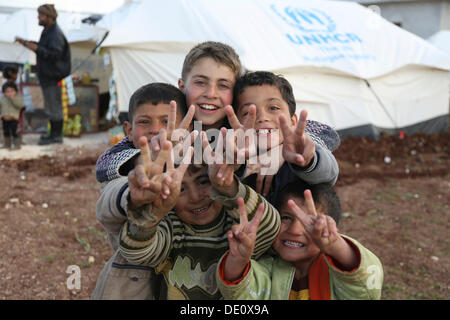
<point>171,184</point>
<point>145,180</point>
<point>323,232</point>
<point>245,144</point>
<point>298,147</point>
<point>241,239</point>
<point>321,228</point>
<point>220,173</point>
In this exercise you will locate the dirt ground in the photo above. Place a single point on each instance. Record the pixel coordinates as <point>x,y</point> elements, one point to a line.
<point>398,207</point>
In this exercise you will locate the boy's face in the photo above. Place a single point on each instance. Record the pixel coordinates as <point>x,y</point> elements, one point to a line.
<point>10,93</point>
<point>293,243</point>
<point>195,205</point>
<point>209,86</point>
<point>269,106</point>
<point>148,120</point>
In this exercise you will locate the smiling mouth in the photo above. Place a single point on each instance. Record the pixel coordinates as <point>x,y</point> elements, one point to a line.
<point>200,211</point>
<point>208,108</point>
<point>266,131</point>
<point>292,244</point>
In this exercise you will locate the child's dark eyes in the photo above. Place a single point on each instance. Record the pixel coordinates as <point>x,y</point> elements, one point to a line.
<point>286,218</point>
<point>204,182</point>
<point>274,108</point>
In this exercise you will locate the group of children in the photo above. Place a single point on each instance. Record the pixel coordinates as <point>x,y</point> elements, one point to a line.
<point>11,103</point>
<point>220,229</point>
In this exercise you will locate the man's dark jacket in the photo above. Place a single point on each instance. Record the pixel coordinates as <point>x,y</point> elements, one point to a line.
<point>53,56</point>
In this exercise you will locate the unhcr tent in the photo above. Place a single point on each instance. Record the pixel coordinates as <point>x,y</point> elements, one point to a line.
<point>349,67</point>
<point>441,40</point>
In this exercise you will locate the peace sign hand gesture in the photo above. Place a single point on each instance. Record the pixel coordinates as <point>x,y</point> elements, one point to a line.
<point>144,181</point>
<point>248,148</point>
<point>177,133</point>
<point>171,184</point>
<point>323,232</point>
<point>241,239</point>
<point>298,147</point>
<point>221,174</point>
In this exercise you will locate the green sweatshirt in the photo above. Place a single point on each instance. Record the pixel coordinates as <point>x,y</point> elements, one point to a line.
<point>11,107</point>
<point>270,278</point>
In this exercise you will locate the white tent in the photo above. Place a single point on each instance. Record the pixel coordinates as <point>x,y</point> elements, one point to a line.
<point>81,37</point>
<point>117,16</point>
<point>349,67</point>
<point>24,23</point>
<point>441,40</point>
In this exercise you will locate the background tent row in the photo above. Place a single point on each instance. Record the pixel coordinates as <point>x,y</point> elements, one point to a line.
<point>349,67</point>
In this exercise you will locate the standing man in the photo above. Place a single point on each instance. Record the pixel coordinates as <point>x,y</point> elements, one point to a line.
<point>53,64</point>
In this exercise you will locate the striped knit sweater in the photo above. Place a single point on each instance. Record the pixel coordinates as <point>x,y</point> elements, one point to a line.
<point>185,256</point>
<point>115,162</point>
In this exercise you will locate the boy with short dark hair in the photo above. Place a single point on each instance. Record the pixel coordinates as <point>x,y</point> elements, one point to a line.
<point>148,113</point>
<point>312,260</point>
<point>304,147</point>
<point>10,105</point>
<point>149,110</point>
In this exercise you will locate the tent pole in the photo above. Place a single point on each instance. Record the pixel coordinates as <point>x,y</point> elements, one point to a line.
<point>381,103</point>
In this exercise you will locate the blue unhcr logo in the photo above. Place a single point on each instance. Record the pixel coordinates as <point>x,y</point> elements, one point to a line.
<point>313,20</point>
<point>314,28</point>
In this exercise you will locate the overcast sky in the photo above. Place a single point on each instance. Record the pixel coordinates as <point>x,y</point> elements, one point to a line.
<point>88,6</point>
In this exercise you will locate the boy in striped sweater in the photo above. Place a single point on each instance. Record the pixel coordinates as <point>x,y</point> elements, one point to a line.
<point>184,244</point>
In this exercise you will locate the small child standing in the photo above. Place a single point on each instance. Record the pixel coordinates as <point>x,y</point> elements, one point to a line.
<point>312,261</point>
<point>10,104</point>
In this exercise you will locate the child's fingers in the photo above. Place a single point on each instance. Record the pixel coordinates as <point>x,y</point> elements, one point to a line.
<point>256,220</point>
<point>155,146</point>
<point>181,170</point>
<point>249,122</point>
<point>162,136</point>
<point>309,203</point>
<point>140,177</point>
<point>285,129</point>
<point>166,186</point>
<point>232,118</point>
<point>301,124</point>
<point>320,229</point>
<point>162,157</point>
<point>145,154</point>
<point>332,228</point>
<point>172,118</point>
<point>305,219</point>
<point>219,147</point>
<point>155,186</point>
<point>242,213</point>
<point>187,120</point>
<point>207,148</point>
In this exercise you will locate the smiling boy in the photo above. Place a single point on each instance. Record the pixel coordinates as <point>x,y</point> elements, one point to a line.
<point>304,155</point>
<point>184,245</point>
<point>312,260</point>
<point>209,73</point>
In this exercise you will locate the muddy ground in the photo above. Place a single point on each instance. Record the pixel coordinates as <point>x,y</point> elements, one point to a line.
<point>397,206</point>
